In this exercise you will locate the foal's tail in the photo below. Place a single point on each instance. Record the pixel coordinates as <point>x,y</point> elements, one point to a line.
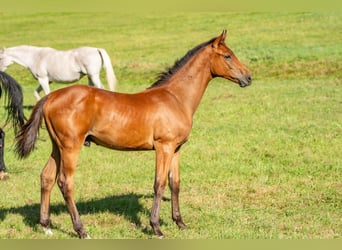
<point>14,99</point>
<point>107,65</point>
<point>28,133</point>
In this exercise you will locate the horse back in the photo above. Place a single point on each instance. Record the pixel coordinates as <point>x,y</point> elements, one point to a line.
<point>114,120</point>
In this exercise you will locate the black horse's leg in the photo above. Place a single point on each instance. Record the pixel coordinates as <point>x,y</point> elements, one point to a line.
<point>3,173</point>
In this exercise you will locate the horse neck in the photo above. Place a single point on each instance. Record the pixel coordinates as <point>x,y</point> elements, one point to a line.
<point>21,55</point>
<point>190,82</point>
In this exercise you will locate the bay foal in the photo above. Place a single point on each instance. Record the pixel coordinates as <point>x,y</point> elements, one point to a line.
<point>159,118</point>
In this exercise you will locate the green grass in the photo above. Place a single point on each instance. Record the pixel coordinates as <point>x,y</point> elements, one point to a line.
<point>262,162</point>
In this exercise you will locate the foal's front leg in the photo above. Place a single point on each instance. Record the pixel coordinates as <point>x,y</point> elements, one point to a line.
<point>164,155</point>
<point>174,182</point>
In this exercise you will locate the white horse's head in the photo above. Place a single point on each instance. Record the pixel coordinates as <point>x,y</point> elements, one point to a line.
<point>5,60</point>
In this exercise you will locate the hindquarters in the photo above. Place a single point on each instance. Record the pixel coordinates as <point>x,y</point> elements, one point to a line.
<point>91,60</point>
<point>68,115</point>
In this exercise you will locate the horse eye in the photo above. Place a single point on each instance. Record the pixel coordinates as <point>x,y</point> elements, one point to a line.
<point>227,56</point>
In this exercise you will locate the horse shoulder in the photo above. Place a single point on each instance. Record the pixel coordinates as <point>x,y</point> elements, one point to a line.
<point>171,119</point>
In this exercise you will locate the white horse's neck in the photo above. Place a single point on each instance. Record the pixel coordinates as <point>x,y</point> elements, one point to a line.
<point>23,55</point>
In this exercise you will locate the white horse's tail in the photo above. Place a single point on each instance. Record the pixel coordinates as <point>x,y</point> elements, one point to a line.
<point>107,65</point>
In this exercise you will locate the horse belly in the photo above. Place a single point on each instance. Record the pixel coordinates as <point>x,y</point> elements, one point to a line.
<point>64,76</point>
<point>63,68</point>
<point>125,139</point>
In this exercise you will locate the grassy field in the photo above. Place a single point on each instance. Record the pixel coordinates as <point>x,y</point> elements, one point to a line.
<point>263,162</point>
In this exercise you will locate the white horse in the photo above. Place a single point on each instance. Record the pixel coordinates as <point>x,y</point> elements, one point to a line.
<point>51,65</point>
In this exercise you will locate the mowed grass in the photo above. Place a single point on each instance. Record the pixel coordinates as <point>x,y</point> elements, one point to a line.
<point>262,162</point>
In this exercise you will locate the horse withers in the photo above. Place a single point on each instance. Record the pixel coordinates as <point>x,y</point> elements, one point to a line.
<point>65,66</point>
<point>158,118</point>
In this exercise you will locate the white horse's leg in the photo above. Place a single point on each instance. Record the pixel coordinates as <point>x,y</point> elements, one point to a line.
<point>36,92</point>
<point>44,85</point>
<point>94,80</point>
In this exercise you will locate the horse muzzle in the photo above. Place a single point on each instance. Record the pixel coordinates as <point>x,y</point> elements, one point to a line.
<point>245,81</point>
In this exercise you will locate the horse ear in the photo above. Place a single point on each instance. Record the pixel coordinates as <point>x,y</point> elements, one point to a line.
<point>220,39</point>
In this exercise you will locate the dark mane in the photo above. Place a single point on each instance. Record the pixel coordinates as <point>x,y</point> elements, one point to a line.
<point>166,75</point>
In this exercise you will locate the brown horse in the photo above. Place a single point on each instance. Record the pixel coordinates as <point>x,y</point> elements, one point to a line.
<point>159,118</point>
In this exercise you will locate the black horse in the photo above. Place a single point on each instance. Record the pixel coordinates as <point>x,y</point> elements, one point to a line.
<point>15,115</point>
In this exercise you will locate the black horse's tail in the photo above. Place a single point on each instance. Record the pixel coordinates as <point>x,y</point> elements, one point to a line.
<point>14,100</point>
<point>27,136</point>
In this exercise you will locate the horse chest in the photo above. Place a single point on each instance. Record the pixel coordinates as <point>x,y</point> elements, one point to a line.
<point>173,128</point>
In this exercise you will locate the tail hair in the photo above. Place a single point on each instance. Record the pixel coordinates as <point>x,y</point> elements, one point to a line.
<point>28,134</point>
<point>107,65</point>
<point>13,100</point>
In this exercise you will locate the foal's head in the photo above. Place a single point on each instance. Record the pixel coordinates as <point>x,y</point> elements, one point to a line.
<point>225,64</point>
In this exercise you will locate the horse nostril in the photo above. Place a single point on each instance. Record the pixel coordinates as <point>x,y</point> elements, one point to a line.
<point>249,79</point>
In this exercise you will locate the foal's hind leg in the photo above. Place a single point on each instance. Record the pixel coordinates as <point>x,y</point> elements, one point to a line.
<point>48,179</point>
<point>66,185</point>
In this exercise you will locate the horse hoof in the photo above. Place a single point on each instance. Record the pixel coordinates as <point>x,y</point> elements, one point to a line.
<point>85,237</point>
<point>159,234</point>
<point>4,176</point>
<point>181,225</point>
<point>47,231</point>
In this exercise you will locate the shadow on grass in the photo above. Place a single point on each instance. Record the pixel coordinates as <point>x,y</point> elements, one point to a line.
<point>126,205</point>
